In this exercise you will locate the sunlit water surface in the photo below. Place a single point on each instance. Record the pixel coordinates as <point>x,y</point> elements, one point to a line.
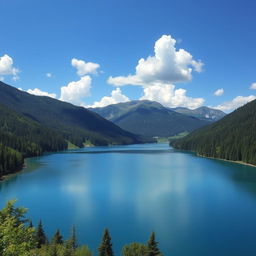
<point>196,206</point>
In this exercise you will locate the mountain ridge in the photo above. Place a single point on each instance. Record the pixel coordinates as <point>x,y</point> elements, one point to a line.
<point>31,125</point>
<point>202,113</point>
<point>149,118</point>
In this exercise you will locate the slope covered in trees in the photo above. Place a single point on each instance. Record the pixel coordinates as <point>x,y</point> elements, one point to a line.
<point>231,138</point>
<point>31,125</point>
<point>76,124</point>
<point>149,118</point>
<point>22,137</point>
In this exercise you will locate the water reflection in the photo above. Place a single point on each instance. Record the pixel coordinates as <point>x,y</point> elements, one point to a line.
<point>139,188</point>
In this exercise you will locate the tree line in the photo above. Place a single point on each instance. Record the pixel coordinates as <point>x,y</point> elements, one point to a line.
<point>22,137</point>
<point>18,237</point>
<point>231,138</point>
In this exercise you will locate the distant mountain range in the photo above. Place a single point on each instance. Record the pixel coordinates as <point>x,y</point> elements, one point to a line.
<point>231,138</point>
<point>150,118</point>
<point>203,113</point>
<point>31,125</point>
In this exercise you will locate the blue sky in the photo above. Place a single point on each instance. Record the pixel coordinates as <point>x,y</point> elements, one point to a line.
<point>217,37</point>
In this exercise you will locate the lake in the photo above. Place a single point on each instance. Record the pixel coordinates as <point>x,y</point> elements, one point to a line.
<point>196,206</point>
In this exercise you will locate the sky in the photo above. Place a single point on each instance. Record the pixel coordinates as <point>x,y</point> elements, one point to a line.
<point>181,53</point>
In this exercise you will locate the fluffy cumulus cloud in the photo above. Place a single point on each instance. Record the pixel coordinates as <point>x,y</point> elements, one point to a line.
<point>116,97</point>
<point>7,68</point>
<point>168,96</point>
<point>168,65</point>
<point>84,68</point>
<point>253,86</point>
<point>219,92</point>
<point>235,103</point>
<point>156,74</point>
<point>38,92</point>
<point>75,91</point>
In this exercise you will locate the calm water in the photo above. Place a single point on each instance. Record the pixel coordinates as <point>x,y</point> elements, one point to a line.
<point>196,206</point>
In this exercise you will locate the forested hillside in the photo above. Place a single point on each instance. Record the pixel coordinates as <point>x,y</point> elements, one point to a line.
<point>77,124</point>
<point>231,138</point>
<point>22,137</point>
<point>31,125</point>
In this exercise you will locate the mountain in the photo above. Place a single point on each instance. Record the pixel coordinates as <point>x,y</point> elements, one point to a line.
<point>203,113</point>
<point>76,124</point>
<point>31,125</point>
<point>149,118</point>
<point>22,137</point>
<point>231,138</point>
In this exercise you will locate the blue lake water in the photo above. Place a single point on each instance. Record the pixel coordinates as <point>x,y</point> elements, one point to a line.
<point>196,206</point>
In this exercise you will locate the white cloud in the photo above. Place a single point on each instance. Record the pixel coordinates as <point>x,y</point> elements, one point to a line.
<point>75,91</point>
<point>6,67</point>
<point>49,75</point>
<point>219,92</point>
<point>253,86</point>
<point>156,74</point>
<point>168,65</point>
<point>235,103</point>
<point>169,97</point>
<point>84,68</point>
<point>38,92</point>
<point>116,97</point>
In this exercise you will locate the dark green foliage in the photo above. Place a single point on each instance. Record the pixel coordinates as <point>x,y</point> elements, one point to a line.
<point>105,248</point>
<point>21,137</point>
<point>76,124</point>
<point>40,235</point>
<point>71,243</point>
<point>30,224</point>
<point>152,246</point>
<point>53,251</point>
<point>57,238</point>
<point>149,118</point>
<point>72,239</point>
<point>31,125</point>
<point>231,138</point>
<point>135,249</point>
<point>10,160</point>
<point>18,238</point>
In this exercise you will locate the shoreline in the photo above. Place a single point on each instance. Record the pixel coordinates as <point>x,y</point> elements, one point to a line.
<point>25,165</point>
<point>226,160</point>
<point>8,176</point>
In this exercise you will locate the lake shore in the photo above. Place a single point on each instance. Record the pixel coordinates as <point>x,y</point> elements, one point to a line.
<point>226,160</point>
<point>10,175</point>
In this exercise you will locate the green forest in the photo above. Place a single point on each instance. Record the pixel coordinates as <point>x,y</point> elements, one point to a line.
<point>21,137</point>
<point>18,237</point>
<point>231,138</point>
<point>31,125</point>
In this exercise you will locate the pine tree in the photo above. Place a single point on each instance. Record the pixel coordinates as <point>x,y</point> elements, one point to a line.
<point>152,246</point>
<point>53,251</point>
<point>105,248</point>
<point>30,224</point>
<point>73,242</point>
<point>40,235</point>
<point>57,238</point>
